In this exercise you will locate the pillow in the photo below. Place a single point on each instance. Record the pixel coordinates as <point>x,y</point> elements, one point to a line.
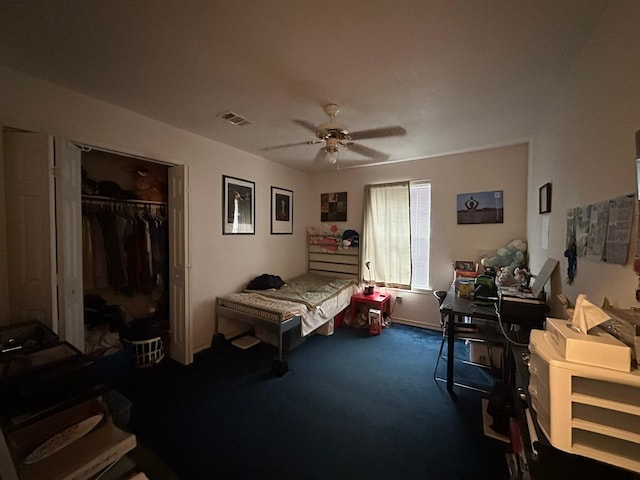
<point>265,282</point>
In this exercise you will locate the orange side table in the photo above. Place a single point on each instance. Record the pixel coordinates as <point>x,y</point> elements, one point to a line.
<point>381,301</point>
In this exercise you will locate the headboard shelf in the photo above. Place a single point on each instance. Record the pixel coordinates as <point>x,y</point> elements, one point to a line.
<point>333,259</point>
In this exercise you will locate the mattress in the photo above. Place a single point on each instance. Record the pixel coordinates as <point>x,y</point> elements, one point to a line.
<point>257,305</point>
<point>316,299</point>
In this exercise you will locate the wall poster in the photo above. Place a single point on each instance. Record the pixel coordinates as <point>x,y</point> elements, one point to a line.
<point>480,207</point>
<point>333,207</point>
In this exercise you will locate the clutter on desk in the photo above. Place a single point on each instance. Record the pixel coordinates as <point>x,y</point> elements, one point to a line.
<point>464,274</point>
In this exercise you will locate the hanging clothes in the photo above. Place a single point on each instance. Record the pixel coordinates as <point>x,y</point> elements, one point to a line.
<point>125,246</point>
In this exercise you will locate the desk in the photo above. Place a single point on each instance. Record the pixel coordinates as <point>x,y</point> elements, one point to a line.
<point>381,301</point>
<point>455,307</point>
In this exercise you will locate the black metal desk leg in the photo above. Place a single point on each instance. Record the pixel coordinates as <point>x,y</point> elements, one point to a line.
<point>451,332</point>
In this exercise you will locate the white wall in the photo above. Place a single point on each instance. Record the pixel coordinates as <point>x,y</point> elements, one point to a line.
<point>487,170</point>
<point>585,147</point>
<point>219,263</point>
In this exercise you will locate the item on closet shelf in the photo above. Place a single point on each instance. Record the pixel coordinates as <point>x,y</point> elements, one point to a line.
<point>149,187</point>
<point>89,186</point>
<point>107,188</point>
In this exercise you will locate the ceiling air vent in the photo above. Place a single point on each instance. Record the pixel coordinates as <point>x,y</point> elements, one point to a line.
<point>234,118</point>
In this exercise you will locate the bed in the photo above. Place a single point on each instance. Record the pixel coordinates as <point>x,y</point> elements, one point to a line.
<point>308,302</point>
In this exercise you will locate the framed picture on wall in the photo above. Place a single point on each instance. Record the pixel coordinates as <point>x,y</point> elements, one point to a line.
<point>333,207</point>
<point>238,206</point>
<point>281,211</point>
<point>480,207</point>
<point>544,202</point>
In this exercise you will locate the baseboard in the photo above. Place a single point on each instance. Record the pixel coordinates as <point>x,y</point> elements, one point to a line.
<point>413,323</point>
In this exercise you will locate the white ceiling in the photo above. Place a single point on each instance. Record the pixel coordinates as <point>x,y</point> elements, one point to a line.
<point>456,75</point>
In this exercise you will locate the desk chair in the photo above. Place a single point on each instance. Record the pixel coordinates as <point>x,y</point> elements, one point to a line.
<point>462,332</point>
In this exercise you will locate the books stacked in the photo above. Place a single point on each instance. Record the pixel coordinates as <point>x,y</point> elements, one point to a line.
<point>464,275</point>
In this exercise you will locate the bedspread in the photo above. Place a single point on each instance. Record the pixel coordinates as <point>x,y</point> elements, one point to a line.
<point>310,289</point>
<point>315,298</point>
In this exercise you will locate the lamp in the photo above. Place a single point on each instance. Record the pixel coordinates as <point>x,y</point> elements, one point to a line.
<point>331,150</point>
<point>368,290</point>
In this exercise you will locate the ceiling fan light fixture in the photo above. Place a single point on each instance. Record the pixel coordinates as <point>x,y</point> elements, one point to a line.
<point>332,156</point>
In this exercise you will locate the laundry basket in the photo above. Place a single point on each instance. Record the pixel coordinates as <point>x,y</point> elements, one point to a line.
<point>146,353</point>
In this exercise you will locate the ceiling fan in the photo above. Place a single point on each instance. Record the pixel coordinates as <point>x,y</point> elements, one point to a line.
<point>335,136</point>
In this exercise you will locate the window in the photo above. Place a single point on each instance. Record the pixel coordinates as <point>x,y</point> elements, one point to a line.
<point>420,233</point>
<point>396,236</point>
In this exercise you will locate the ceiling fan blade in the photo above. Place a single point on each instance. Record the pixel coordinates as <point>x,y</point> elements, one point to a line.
<point>304,124</point>
<point>381,132</point>
<point>367,152</point>
<point>308,142</point>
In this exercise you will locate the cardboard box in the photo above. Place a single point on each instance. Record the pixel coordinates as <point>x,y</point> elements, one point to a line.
<point>326,329</point>
<point>479,353</point>
<point>375,321</point>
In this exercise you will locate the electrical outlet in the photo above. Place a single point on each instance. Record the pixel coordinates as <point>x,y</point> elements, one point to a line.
<point>398,299</point>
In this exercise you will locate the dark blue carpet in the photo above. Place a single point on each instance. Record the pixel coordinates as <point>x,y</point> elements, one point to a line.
<point>351,407</point>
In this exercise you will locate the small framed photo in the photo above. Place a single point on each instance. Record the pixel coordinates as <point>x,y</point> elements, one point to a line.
<point>281,211</point>
<point>238,206</point>
<point>467,265</point>
<point>544,201</point>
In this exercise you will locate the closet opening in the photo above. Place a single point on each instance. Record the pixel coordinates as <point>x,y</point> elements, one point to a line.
<point>48,272</point>
<point>125,255</point>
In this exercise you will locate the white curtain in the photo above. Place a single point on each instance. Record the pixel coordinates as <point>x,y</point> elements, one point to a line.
<point>386,239</point>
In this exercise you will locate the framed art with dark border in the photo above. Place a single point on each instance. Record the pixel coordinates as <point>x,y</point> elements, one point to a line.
<point>480,207</point>
<point>544,201</point>
<point>333,207</point>
<point>238,206</point>
<point>281,211</point>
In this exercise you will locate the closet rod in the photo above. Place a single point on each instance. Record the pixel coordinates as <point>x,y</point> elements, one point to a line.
<point>99,198</point>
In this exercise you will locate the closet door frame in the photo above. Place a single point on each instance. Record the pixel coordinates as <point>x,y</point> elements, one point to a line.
<point>68,189</point>
<point>180,318</point>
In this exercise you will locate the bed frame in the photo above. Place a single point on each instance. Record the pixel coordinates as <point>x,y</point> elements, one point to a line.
<point>280,365</point>
<point>325,256</point>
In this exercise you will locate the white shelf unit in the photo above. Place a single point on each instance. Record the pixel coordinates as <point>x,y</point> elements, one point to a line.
<point>586,410</point>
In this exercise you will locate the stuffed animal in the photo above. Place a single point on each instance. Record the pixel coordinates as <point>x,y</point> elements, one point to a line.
<point>505,278</point>
<point>511,256</point>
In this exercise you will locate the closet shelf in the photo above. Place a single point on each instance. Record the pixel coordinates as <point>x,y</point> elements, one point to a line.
<point>119,200</point>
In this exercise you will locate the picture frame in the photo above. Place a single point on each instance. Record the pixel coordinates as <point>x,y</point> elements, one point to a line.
<point>480,207</point>
<point>333,207</point>
<point>281,211</point>
<point>544,198</point>
<point>466,265</point>
<point>238,206</point>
